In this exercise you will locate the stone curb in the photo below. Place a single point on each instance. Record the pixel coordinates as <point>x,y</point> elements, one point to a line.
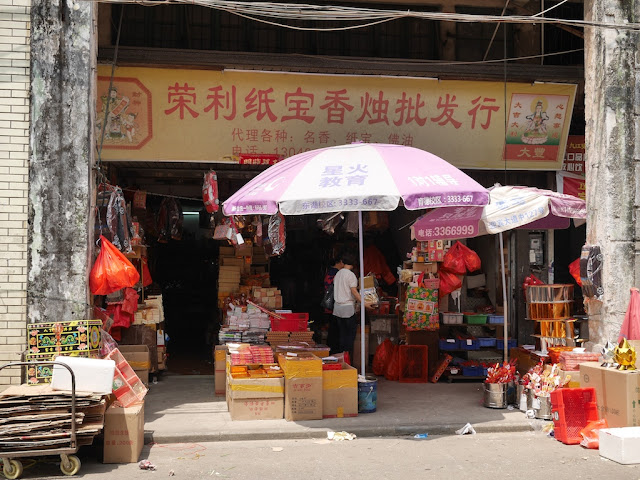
<point>321,433</point>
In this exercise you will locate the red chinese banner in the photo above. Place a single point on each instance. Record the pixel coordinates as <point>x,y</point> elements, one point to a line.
<point>572,184</point>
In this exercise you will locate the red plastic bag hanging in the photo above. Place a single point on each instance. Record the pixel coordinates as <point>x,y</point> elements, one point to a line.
<point>454,260</point>
<point>449,282</point>
<point>393,367</point>
<point>574,270</point>
<point>382,357</point>
<point>210,192</point>
<point>471,259</point>
<point>112,270</point>
<point>146,274</point>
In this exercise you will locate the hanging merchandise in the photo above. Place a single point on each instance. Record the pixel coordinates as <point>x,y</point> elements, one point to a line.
<point>118,222</point>
<point>328,222</point>
<point>351,223</point>
<point>574,270</point>
<point>449,282</point>
<point>471,259</point>
<point>210,192</point>
<point>421,310</point>
<point>112,271</point>
<point>130,302</point>
<point>454,260</point>
<point>591,271</point>
<point>257,236</point>
<point>277,234</point>
<point>170,220</point>
<point>140,200</point>
<point>226,230</point>
<point>146,274</point>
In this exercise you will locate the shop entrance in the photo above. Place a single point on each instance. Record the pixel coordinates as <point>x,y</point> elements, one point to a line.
<point>182,257</point>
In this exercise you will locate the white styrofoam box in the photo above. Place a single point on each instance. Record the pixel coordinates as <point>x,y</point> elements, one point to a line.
<point>91,374</point>
<point>621,445</point>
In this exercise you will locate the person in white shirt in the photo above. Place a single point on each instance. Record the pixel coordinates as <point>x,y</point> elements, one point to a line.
<point>346,303</point>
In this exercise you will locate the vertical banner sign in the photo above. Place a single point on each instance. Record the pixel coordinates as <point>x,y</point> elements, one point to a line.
<point>574,158</point>
<point>153,114</point>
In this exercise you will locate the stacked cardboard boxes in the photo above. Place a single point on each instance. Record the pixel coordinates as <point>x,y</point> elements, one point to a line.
<point>220,372</point>
<point>123,433</point>
<point>303,386</point>
<point>267,297</point>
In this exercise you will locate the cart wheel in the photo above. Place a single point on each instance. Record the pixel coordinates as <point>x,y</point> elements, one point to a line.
<point>74,465</point>
<point>15,469</point>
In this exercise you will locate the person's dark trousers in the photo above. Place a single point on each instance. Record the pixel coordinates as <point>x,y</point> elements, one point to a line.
<point>347,328</point>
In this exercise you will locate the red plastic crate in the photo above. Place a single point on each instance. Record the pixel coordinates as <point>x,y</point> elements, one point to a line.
<point>414,362</point>
<point>290,322</point>
<point>572,409</point>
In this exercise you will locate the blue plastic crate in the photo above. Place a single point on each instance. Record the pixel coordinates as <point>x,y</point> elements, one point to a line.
<point>511,343</point>
<point>472,371</point>
<point>469,344</point>
<point>448,344</point>
<point>496,319</point>
<point>487,341</point>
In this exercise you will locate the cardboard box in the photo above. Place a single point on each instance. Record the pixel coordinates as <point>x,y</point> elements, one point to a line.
<point>303,387</point>
<point>256,408</point>
<point>340,392</point>
<point>617,393</point>
<point>162,357</point>
<point>426,267</point>
<point>123,434</point>
<point>621,445</point>
<point>139,359</point>
<point>574,378</point>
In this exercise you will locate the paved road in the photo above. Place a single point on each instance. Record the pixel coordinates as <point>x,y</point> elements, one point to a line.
<point>530,455</point>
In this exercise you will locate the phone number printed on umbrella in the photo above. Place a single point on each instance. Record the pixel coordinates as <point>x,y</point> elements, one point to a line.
<point>340,203</point>
<point>456,231</point>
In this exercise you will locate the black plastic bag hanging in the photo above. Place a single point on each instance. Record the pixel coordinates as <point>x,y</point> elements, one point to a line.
<point>170,220</point>
<point>118,221</point>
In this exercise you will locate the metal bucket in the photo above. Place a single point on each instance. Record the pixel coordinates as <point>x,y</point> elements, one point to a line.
<point>367,394</point>
<point>542,408</point>
<point>495,395</point>
<point>530,397</point>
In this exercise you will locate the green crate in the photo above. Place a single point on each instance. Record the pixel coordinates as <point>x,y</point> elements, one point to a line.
<point>475,318</point>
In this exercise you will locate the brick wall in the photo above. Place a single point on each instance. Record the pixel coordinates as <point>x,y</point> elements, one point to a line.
<point>14,174</point>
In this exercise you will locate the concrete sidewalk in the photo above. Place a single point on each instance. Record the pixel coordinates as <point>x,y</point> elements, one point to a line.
<point>181,408</point>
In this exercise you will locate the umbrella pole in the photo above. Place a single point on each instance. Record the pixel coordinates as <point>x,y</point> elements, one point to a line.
<point>504,301</point>
<point>362,333</point>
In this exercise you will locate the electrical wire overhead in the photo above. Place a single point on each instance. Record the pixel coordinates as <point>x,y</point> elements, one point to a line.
<point>260,11</point>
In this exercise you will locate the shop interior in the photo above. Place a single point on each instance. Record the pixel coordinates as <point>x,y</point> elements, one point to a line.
<point>185,267</point>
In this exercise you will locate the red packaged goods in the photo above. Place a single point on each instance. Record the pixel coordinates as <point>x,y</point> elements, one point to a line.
<point>572,360</point>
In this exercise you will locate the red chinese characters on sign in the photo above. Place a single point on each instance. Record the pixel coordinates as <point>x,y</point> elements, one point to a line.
<point>299,104</point>
<point>574,157</point>
<point>336,105</point>
<point>488,105</point>
<point>375,109</point>
<point>446,116</point>
<point>182,96</point>
<point>259,103</point>
<point>220,100</point>
<point>409,111</point>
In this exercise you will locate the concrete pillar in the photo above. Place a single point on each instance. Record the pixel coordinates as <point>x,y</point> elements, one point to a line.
<point>613,150</point>
<point>62,108</point>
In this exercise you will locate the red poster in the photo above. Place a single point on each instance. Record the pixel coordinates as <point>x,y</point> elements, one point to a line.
<point>572,184</point>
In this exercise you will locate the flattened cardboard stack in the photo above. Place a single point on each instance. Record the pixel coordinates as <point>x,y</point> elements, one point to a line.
<point>39,418</point>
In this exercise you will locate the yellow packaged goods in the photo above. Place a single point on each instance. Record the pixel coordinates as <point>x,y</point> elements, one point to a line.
<point>123,434</point>
<point>243,388</point>
<point>617,393</point>
<point>219,354</point>
<point>340,392</point>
